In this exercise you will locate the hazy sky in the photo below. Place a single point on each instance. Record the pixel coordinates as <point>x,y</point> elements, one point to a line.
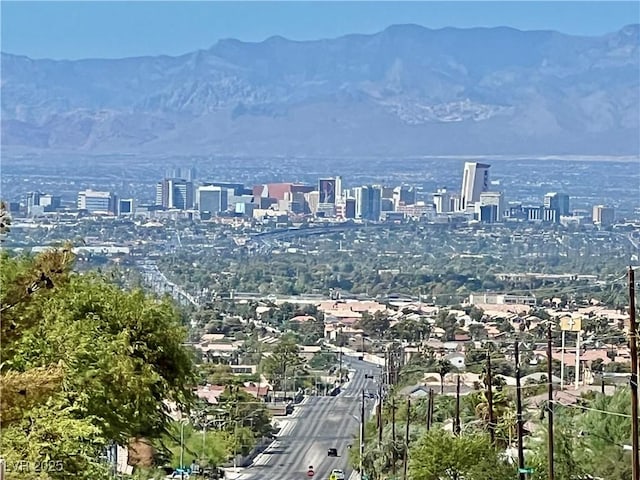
<point>121,29</point>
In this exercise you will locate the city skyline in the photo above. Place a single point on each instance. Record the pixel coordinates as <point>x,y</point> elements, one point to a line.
<point>474,202</point>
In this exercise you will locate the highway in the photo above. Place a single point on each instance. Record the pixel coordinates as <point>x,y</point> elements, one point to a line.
<point>321,423</point>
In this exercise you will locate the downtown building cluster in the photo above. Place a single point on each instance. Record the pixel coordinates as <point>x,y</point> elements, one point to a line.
<point>180,193</point>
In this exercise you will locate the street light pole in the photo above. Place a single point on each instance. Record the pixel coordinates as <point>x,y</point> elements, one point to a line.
<point>235,446</point>
<point>182,449</point>
<point>362,435</point>
<point>204,439</point>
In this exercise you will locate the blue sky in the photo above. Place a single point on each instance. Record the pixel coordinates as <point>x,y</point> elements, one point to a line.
<point>120,29</point>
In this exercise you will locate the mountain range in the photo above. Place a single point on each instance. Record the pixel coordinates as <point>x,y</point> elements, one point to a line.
<point>407,90</point>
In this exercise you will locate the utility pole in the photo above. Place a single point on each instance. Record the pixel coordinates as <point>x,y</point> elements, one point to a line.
<point>379,415</point>
<point>578,360</point>
<point>562,361</point>
<point>393,436</point>
<point>550,403</point>
<point>386,368</point>
<point>492,427</point>
<point>340,368</point>
<point>456,425</point>
<point>406,440</point>
<point>633,337</point>
<point>181,449</point>
<point>284,382</point>
<point>521,473</point>
<point>362,436</point>
<point>430,409</point>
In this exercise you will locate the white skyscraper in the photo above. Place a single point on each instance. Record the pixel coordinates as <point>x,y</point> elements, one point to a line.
<point>475,180</point>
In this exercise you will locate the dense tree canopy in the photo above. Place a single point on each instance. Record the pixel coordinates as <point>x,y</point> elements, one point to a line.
<point>83,363</point>
<point>439,455</point>
<point>284,361</point>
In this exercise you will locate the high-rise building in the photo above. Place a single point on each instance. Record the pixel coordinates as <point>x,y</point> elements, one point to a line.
<point>555,205</point>
<point>475,180</point>
<point>32,200</point>
<point>495,199</point>
<point>313,200</point>
<point>339,192</point>
<point>403,195</point>
<point>350,208</point>
<point>442,200</point>
<point>97,202</point>
<point>174,193</point>
<point>368,202</point>
<point>37,203</point>
<point>327,190</point>
<point>212,199</point>
<point>603,215</point>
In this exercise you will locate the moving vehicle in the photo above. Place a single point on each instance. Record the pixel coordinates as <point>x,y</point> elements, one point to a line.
<point>332,452</point>
<point>336,474</point>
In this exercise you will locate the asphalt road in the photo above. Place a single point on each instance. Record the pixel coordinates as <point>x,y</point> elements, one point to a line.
<point>321,423</point>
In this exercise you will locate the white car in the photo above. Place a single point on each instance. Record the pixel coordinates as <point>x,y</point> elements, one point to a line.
<point>337,474</point>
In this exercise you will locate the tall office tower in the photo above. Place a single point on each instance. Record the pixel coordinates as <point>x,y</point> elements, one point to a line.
<point>442,200</point>
<point>313,200</point>
<point>97,202</point>
<point>603,215</point>
<point>182,194</point>
<point>350,208</point>
<point>475,180</point>
<point>558,202</point>
<point>339,192</point>
<point>162,193</point>
<point>368,202</point>
<point>494,199</point>
<point>327,190</point>
<point>361,195</point>
<point>212,199</point>
<point>174,193</point>
<point>403,195</point>
<point>31,200</point>
<point>555,205</point>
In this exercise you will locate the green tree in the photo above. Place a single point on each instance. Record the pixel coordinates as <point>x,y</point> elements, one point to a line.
<point>284,361</point>
<point>439,455</point>
<point>444,366</point>
<point>209,448</point>
<point>103,360</point>
<point>374,325</point>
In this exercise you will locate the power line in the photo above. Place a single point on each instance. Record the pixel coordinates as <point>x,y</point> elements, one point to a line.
<point>550,459</point>
<point>633,381</point>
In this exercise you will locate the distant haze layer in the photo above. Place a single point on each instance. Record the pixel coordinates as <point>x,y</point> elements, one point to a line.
<point>405,91</point>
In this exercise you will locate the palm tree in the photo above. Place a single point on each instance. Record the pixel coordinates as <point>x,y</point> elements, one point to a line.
<point>444,367</point>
